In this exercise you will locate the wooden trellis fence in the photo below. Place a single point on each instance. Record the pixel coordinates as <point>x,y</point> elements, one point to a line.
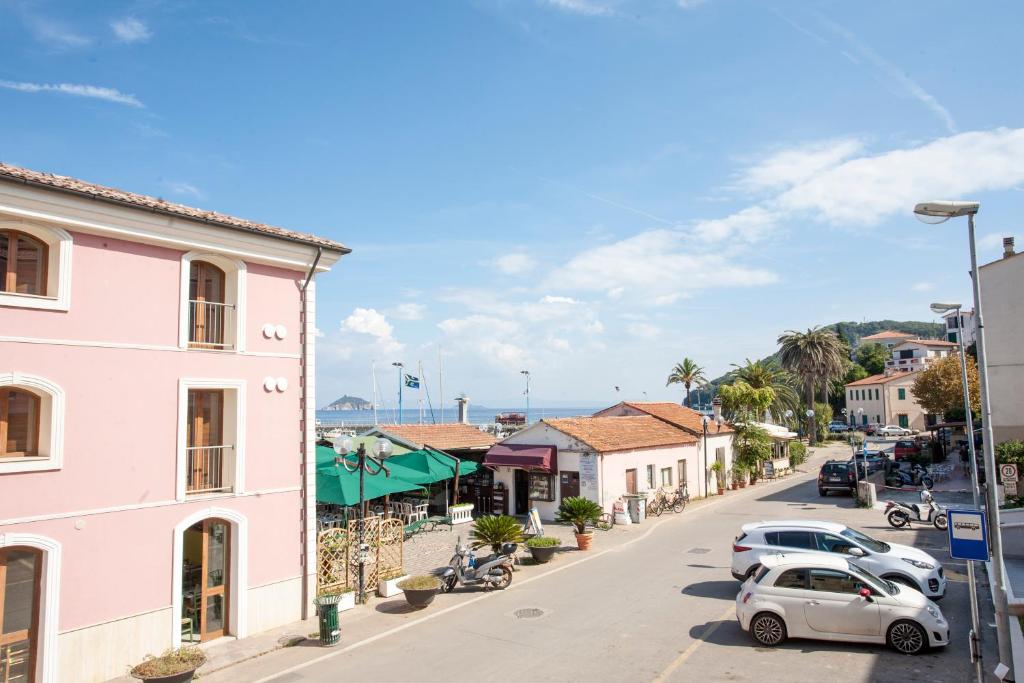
<point>337,554</point>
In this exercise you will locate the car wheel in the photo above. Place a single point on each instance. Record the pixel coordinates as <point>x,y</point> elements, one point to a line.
<point>752,570</point>
<point>768,629</point>
<point>822,492</point>
<point>907,637</point>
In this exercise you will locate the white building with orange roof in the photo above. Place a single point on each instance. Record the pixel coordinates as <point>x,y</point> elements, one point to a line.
<point>887,338</point>
<point>913,355</point>
<point>885,399</point>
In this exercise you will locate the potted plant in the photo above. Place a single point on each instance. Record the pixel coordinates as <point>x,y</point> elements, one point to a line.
<point>543,548</point>
<point>717,467</point>
<point>733,477</point>
<point>387,582</point>
<point>173,666</point>
<point>579,512</point>
<point>495,530</point>
<point>348,599</point>
<point>739,473</point>
<point>420,590</point>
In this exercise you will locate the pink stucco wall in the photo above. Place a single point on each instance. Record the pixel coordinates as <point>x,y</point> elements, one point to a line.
<point>121,426</point>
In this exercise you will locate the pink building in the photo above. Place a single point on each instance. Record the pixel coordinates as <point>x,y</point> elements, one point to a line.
<point>156,426</point>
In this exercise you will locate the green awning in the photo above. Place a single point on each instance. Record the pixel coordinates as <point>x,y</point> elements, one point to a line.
<point>428,466</point>
<point>335,484</point>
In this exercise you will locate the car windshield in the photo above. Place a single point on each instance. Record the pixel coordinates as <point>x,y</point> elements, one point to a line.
<point>865,540</point>
<point>878,584</point>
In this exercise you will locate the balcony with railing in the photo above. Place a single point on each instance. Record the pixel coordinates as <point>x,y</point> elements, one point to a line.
<point>210,324</point>
<point>206,467</point>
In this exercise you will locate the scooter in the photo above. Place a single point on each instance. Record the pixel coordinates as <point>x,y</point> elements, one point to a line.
<point>464,570</point>
<point>918,476</point>
<point>927,512</point>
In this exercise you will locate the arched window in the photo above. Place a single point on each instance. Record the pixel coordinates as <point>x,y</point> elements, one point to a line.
<point>19,423</point>
<point>208,310</point>
<point>23,260</point>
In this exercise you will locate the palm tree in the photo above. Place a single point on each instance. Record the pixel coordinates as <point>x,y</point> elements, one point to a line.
<point>766,374</point>
<point>687,373</point>
<point>816,357</point>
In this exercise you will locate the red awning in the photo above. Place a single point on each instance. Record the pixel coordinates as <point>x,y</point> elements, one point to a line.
<point>524,456</point>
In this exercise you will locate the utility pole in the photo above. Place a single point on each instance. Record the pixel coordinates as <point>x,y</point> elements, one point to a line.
<point>400,366</point>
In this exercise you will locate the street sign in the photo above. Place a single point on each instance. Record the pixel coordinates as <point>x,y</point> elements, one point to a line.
<point>968,535</point>
<point>1009,488</point>
<point>1008,472</point>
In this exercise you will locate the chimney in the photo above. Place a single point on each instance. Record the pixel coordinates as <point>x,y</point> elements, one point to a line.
<point>463,409</point>
<point>1007,247</point>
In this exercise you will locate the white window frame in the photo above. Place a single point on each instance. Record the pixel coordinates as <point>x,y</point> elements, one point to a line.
<point>238,471</point>
<point>49,600</point>
<point>58,268</point>
<point>51,424</point>
<point>234,286</point>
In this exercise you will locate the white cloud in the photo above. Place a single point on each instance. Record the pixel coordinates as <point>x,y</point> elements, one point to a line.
<point>514,264</point>
<point>894,74</point>
<point>788,167</point>
<point>922,286</point>
<point>558,300</point>
<point>370,322</point>
<point>182,188</point>
<point>750,225</point>
<point>55,34</point>
<point>643,330</point>
<point>559,344</point>
<point>408,311</point>
<point>690,4</point>
<point>77,90</point>
<point>131,30</point>
<point>867,189</point>
<point>586,7</point>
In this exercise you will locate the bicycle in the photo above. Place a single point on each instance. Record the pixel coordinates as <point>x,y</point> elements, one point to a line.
<point>605,522</point>
<point>661,503</point>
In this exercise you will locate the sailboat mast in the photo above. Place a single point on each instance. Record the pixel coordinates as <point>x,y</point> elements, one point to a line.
<point>373,381</point>
<point>440,381</point>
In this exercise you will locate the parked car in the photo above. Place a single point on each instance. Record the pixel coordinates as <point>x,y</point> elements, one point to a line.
<point>902,564</point>
<point>838,427</point>
<point>893,430</point>
<point>832,598</point>
<point>870,428</point>
<point>836,475</point>
<point>906,448</point>
<point>874,461</point>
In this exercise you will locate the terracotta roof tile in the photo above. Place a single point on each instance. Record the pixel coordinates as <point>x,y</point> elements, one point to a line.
<point>443,436</point>
<point>887,334</point>
<point>140,201</point>
<point>926,342</point>
<point>609,434</point>
<point>881,379</point>
<point>680,416</point>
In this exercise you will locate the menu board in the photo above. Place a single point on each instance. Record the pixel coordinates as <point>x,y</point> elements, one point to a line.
<point>588,471</point>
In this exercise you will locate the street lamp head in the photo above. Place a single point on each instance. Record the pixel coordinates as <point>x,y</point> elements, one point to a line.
<point>941,308</point>
<point>788,414</point>
<point>941,211</point>
<point>860,411</point>
<point>524,372</point>
<point>383,447</point>
<point>344,446</point>
<point>809,413</point>
<point>399,364</point>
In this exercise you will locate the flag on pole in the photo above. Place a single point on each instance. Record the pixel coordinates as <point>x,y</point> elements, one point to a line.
<point>412,382</point>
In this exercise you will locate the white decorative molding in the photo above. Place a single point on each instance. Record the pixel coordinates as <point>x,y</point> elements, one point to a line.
<point>51,424</point>
<point>139,347</point>
<point>280,331</point>
<point>234,284</point>
<point>282,384</point>
<point>269,383</point>
<point>237,387</point>
<point>49,604</point>
<point>58,268</point>
<point>238,574</point>
<point>268,330</point>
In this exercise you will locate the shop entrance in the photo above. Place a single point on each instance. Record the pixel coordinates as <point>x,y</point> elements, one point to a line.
<point>20,571</point>
<point>522,492</point>
<point>206,581</point>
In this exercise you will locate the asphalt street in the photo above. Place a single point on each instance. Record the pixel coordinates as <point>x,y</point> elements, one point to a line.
<point>658,607</point>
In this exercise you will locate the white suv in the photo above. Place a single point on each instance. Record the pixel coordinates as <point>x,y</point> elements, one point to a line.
<point>898,563</point>
<point>893,430</point>
<point>827,597</point>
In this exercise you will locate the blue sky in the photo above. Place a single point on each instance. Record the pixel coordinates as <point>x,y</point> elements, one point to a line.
<point>591,189</point>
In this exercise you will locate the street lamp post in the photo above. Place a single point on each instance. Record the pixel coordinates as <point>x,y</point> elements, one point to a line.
<point>364,463</point>
<point>526,373</point>
<point>716,406</point>
<point>941,308</point>
<point>938,212</point>
<point>812,428</point>
<point>399,366</point>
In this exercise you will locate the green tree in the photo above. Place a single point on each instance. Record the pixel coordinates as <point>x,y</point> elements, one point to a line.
<point>872,358</point>
<point>687,373</point>
<point>940,388</point>
<point>766,374</point>
<point>742,402</point>
<point>837,391</point>
<point>822,416</point>
<point>753,445</point>
<point>816,357</point>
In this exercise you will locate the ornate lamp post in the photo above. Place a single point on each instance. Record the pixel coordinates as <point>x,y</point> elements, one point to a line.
<point>716,406</point>
<point>526,373</point>
<point>364,463</point>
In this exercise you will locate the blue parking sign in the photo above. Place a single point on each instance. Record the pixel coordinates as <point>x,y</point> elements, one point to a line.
<point>968,535</point>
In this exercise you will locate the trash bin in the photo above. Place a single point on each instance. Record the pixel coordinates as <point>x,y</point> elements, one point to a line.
<point>327,611</point>
<point>637,505</point>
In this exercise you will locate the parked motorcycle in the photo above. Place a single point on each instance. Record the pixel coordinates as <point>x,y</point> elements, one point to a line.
<point>463,568</point>
<point>917,476</point>
<point>926,512</point>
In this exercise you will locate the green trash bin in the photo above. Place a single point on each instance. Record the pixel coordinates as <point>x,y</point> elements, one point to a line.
<point>327,611</point>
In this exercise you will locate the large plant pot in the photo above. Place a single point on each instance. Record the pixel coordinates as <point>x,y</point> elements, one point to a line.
<point>420,598</point>
<point>583,541</point>
<point>721,490</point>
<point>347,602</point>
<point>182,677</point>
<point>388,588</point>
<point>743,484</point>
<point>735,485</point>
<point>544,555</point>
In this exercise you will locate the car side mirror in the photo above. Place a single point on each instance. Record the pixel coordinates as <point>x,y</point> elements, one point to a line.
<point>856,552</point>
<point>865,593</point>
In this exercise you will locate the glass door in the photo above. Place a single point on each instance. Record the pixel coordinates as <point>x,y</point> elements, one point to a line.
<point>206,581</point>
<point>19,613</point>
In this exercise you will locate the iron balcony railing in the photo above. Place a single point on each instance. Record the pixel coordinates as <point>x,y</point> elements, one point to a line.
<point>205,466</point>
<point>208,321</point>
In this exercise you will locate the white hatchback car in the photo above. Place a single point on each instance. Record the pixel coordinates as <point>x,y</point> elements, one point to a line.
<point>893,562</point>
<point>893,430</point>
<point>811,595</point>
